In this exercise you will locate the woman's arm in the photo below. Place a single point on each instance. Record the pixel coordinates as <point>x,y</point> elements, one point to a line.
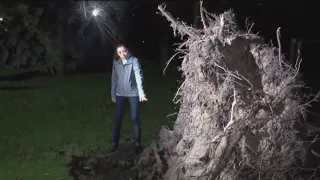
<point>139,76</point>
<point>114,79</point>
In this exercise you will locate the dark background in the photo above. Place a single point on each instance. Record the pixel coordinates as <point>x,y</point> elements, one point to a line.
<point>146,28</point>
<point>149,36</point>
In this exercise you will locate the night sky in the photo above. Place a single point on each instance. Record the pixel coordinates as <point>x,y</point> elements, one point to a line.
<point>145,27</point>
<point>297,19</point>
<point>144,24</point>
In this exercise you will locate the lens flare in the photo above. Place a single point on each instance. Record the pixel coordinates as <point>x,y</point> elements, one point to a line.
<point>100,18</point>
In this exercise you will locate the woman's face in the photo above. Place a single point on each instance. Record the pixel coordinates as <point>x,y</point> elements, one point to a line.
<point>122,52</point>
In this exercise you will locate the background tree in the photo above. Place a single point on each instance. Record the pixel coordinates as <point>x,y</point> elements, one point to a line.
<point>44,39</point>
<point>25,42</point>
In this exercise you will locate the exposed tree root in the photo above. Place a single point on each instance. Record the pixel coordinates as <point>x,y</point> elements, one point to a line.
<point>242,113</point>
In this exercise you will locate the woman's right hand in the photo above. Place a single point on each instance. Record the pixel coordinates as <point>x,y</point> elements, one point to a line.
<point>113,99</point>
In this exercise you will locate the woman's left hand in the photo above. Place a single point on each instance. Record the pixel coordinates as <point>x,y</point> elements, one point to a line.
<point>143,98</point>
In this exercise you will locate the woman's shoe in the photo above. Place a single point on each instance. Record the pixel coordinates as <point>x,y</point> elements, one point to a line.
<point>114,148</point>
<point>139,149</point>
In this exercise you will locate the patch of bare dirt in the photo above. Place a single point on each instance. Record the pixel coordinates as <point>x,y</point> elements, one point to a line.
<point>101,165</point>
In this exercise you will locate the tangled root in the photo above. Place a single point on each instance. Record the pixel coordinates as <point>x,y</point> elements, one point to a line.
<point>242,113</point>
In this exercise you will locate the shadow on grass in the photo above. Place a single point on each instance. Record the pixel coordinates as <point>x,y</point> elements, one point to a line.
<point>24,76</point>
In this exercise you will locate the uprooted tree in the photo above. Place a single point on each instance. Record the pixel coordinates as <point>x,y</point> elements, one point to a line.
<point>242,112</point>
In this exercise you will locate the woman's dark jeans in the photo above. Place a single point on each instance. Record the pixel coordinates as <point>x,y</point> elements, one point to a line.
<point>134,107</point>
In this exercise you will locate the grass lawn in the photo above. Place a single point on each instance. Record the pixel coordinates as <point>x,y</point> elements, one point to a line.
<point>44,120</point>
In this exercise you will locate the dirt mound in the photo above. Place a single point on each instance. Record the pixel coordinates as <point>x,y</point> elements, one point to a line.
<point>98,164</point>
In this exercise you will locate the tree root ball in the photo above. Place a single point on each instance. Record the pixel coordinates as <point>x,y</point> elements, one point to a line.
<point>242,113</point>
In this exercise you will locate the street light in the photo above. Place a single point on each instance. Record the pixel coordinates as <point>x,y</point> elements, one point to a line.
<point>96,16</point>
<point>95,12</point>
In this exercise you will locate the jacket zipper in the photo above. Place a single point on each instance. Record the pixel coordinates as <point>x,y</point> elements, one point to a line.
<point>123,79</point>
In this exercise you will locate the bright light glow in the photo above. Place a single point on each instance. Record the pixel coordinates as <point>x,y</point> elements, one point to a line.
<point>1,19</point>
<point>100,18</point>
<point>95,12</point>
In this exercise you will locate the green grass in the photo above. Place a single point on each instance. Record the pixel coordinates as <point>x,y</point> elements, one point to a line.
<point>71,114</point>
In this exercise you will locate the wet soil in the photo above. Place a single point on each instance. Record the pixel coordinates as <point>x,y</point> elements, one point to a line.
<point>102,165</point>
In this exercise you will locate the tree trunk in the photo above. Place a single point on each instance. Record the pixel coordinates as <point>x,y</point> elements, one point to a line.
<point>196,14</point>
<point>61,37</point>
<point>293,51</point>
<point>299,49</point>
<point>164,50</point>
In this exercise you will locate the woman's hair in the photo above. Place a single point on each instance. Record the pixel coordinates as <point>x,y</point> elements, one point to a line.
<point>119,44</point>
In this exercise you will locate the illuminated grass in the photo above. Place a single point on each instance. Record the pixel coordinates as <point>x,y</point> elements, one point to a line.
<point>49,119</point>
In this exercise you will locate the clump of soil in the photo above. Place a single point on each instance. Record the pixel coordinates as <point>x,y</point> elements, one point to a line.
<point>98,164</point>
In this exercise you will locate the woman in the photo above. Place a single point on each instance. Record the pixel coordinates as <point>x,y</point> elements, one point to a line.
<point>126,84</point>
